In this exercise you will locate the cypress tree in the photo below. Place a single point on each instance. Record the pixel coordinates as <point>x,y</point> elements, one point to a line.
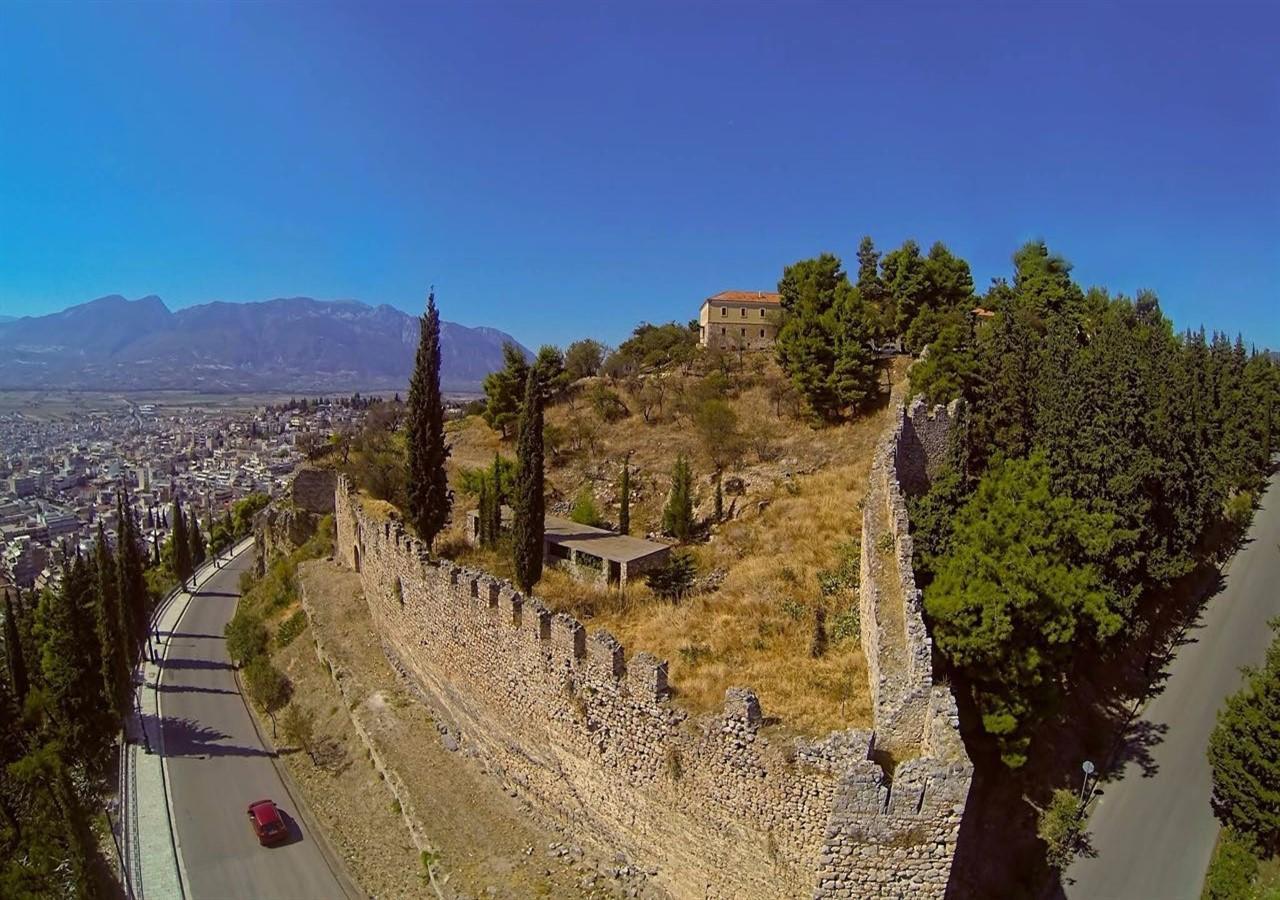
<point>113,644</point>
<point>429,494</point>
<point>14,655</point>
<point>529,523</point>
<point>624,504</point>
<point>719,498</point>
<point>483,515</point>
<point>131,585</point>
<point>181,549</point>
<point>677,516</point>
<point>495,501</point>
<point>195,541</point>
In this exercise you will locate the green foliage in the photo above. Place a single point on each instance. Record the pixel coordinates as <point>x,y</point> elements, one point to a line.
<point>243,511</point>
<point>429,496</point>
<point>1244,756</point>
<point>1016,592</point>
<point>246,637</point>
<point>847,624</point>
<point>824,344</point>
<point>716,424</point>
<point>949,369</point>
<point>606,403</point>
<point>529,500</point>
<point>653,347</point>
<point>290,628</point>
<point>677,516</point>
<point>196,541</point>
<point>471,479</point>
<point>504,388</point>
<point>266,685</point>
<point>584,510</point>
<point>1232,869</point>
<point>674,579</point>
<point>181,544</point>
<point>844,576</point>
<point>1060,825</point>
<point>582,359</point>
<point>719,501</point>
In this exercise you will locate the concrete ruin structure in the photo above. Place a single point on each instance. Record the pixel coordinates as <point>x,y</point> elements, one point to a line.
<point>588,553</point>
<point>717,805</point>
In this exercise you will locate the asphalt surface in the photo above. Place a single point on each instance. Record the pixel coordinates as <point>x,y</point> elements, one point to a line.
<point>1153,829</point>
<point>217,766</point>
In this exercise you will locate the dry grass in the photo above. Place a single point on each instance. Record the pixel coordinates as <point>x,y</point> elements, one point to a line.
<point>801,510</point>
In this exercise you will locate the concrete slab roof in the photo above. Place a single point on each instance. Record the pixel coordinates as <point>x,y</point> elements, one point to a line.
<point>599,541</point>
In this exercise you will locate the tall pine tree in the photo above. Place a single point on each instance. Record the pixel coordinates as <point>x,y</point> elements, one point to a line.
<point>181,547</point>
<point>114,644</point>
<point>14,653</point>
<point>429,494</point>
<point>529,525</point>
<point>195,540</point>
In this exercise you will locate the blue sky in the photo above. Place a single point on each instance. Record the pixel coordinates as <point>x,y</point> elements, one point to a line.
<point>562,170</point>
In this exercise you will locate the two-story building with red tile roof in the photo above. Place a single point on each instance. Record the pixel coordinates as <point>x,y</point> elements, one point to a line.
<point>746,320</point>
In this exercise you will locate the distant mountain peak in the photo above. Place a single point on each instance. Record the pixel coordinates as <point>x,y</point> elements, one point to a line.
<point>288,343</point>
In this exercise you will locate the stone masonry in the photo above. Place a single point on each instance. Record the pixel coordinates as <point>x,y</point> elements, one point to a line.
<point>716,804</point>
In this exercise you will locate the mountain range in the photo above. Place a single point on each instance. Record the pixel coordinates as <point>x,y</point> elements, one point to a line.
<point>290,344</point>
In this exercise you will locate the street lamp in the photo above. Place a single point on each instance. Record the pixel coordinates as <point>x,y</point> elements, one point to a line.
<point>1088,769</point>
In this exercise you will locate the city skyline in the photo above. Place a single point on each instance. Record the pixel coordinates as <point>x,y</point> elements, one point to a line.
<point>618,167</point>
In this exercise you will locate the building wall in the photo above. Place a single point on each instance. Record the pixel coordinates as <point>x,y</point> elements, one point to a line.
<point>716,805</point>
<point>725,330</point>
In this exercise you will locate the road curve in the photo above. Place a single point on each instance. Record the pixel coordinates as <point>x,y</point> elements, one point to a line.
<point>217,765</point>
<point>1154,834</point>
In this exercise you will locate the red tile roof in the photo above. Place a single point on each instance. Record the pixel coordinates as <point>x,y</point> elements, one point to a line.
<point>746,297</point>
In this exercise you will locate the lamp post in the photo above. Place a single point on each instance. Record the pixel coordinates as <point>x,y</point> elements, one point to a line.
<point>1088,769</point>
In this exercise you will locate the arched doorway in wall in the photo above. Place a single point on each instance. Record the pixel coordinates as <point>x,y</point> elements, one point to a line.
<point>355,555</point>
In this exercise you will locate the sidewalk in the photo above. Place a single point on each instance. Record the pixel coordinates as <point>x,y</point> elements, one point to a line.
<point>152,856</point>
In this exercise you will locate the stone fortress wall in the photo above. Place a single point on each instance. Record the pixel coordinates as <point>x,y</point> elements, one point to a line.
<point>718,805</point>
<point>896,644</point>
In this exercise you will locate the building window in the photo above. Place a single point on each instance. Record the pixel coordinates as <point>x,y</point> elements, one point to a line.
<point>762,312</point>
<point>761,332</point>
<point>744,332</point>
<point>724,310</point>
<point>744,312</point>
<point>722,331</point>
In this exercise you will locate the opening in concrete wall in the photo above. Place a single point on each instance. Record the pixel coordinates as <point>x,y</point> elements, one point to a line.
<point>355,555</point>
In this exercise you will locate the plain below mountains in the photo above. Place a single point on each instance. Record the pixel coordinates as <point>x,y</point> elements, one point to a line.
<point>294,344</point>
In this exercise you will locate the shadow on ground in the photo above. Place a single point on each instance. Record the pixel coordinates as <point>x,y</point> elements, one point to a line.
<point>187,737</point>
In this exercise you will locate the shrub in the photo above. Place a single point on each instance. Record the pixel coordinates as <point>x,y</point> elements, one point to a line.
<point>1232,870</point>
<point>606,403</point>
<point>585,511</point>
<point>673,580</point>
<point>847,624</point>
<point>290,628</point>
<point>1059,826</point>
<point>246,637</point>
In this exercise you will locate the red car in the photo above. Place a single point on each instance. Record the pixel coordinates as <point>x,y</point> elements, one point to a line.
<point>267,822</point>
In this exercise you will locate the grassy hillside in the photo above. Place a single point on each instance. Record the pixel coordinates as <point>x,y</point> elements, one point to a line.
<point>792,518</point>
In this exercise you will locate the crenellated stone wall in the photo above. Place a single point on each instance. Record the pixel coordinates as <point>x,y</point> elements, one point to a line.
<point>717,805</point>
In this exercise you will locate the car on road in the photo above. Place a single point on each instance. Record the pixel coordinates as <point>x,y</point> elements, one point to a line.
<point>268,823</point>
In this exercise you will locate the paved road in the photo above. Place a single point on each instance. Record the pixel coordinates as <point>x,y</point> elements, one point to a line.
<point>1154,835</point>
<point>217,765</point>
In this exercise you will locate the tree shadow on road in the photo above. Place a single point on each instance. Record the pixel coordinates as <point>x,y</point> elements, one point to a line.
<point>189,689</point>
<point>187,737</point>
<point>184,663</point>
<point>1098,719</point>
